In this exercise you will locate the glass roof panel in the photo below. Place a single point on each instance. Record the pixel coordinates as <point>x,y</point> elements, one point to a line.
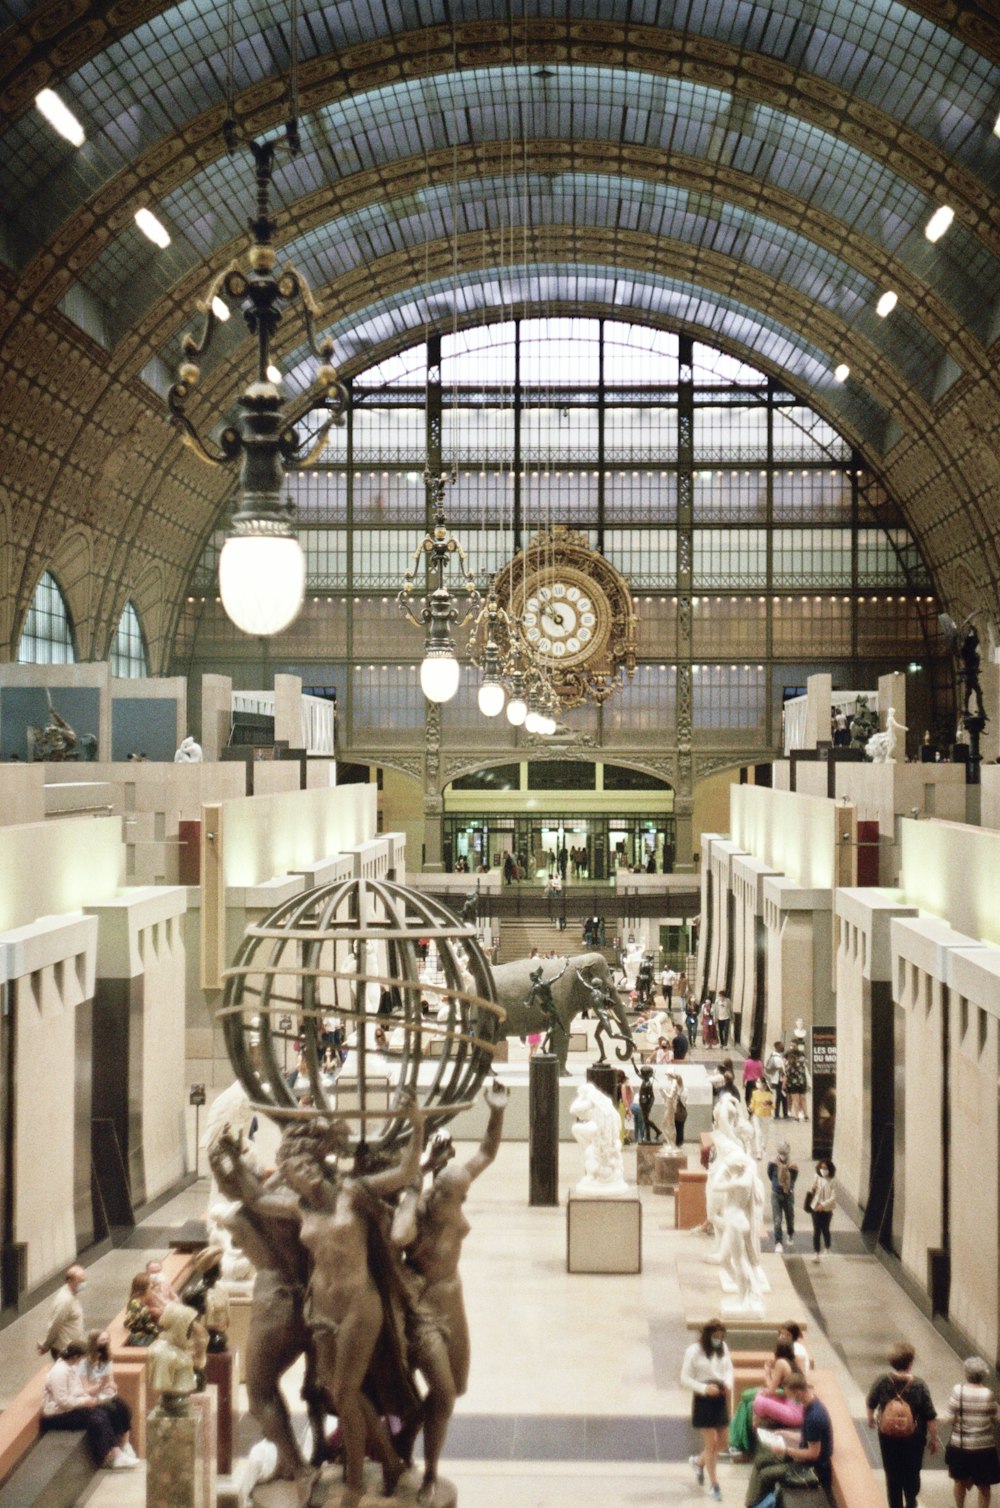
<point>408,316</point>
<point>209,208</point>
<point>149,82</point>
<point>330,251</point>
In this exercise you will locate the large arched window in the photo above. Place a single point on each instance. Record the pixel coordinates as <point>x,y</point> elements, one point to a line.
<point>128,649</point>
<point>759,547</point>
<point>47,636</point>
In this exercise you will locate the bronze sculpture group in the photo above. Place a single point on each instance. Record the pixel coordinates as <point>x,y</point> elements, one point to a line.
<point>357,1270</point>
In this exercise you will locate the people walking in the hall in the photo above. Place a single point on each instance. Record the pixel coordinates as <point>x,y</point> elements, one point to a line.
<point>899,1405</point>
<point>761,1111</point>
<point>971,1456</point>
<point>821,1201</point>
<point>774,1072</point>
<point>723,1016</point>
<point>707,1371</point>
<point>782,1173</point>
<point>753,1072</point>
<point>795,1081</point>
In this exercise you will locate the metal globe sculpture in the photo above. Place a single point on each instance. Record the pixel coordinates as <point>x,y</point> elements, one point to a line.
<point>336,951</point>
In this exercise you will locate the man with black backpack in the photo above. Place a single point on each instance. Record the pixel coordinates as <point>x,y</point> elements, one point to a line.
<point>900,1407</point>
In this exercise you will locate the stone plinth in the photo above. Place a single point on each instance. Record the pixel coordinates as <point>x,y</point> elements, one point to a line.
<point>689,1207</point>
<point>205,1408</point>
<point>175,1471</point>
<point>668,1164</point>
<point>329,1490</point>
<point>222,1371</point>
<point>604,1233</point>
<point>645,1162</point>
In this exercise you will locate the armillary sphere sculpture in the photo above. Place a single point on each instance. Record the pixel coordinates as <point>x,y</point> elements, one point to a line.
<point>350,950</point>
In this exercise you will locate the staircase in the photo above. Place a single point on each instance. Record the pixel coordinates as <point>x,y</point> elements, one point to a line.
<point>519,935</point>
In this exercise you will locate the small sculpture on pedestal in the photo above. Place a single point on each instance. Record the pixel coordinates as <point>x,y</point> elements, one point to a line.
<point>169,1362</point>
<point>597,1130</point>
<point>881,747</point>
<point>189,752</point>
<point>669,1088</point>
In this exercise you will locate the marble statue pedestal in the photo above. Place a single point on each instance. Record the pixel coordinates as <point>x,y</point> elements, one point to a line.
<point>604,1233</point>
<point>176,1475</point>
<point>668,1164</point>
<point>328,1491</point>
<point>689,1207</point>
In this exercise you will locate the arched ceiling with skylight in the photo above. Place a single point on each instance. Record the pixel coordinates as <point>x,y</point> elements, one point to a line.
<point>759,174</point>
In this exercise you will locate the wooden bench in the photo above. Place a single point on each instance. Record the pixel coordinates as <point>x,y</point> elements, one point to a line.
<point>854,1482</point>
<point>55,1472</point>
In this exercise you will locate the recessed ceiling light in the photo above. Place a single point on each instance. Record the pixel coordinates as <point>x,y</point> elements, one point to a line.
<point>939,222</point>
<point>996,126</point>
<point>60,117</point>
<point>886,304</point>
<point>152,228</point>
<point>273,375</point>
<point>841,372</point>
<point>220,308</point>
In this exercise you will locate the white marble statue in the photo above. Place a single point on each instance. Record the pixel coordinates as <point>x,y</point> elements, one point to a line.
<point>597,1130</point>
<point>230,1112</point>
<point>735,1184</point>
<point>668,1088</point>
<point>635,951</point>
<point>732,1138</point>
<point>881,747</point>
<point>189,752</point>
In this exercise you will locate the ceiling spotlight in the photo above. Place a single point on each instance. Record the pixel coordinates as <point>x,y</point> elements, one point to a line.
<point>60,117</point>
<point>273,374</point>
<point>841,372</point>
<point>152,228</point>
<point>939,222</point>
<point>886,304</point>
<point>220,308</point>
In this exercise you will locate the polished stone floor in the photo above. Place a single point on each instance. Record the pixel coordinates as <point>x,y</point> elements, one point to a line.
<point>574,1396</point>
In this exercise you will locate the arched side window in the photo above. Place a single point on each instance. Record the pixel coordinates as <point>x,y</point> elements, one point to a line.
<point>128,648</point>
<point>47,636</point>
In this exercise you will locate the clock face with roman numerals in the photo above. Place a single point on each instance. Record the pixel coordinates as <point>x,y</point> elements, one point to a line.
<point>566,617</point>
<point>574,610</point>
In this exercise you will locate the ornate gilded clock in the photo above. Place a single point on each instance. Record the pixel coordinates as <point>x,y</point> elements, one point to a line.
<point>575,612</point>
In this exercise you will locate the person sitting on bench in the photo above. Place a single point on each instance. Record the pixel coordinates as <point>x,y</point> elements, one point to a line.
<point>68,1405</point>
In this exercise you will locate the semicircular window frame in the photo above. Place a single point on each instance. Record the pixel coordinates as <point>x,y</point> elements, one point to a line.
<point>129,653</point>
<point>48,636</point>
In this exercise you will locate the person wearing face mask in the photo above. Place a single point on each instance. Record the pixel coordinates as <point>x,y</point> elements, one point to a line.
<point>707,1370</point>
<point>66,1316</point>
<point>821,1201</point>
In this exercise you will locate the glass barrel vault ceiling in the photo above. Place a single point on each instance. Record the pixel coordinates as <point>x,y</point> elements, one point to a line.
<point>681,119</point>
<point>145,84</point>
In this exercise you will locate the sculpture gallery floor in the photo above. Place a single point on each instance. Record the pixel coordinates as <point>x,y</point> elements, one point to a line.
<point>574,1399</point>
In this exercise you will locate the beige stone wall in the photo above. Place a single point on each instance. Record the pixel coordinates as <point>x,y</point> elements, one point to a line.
<point>975,1138</point>
<point>852,1147</point>
<point>49,966</point>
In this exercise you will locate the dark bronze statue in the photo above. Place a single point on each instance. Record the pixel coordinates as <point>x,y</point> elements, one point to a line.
<point>646,1100</point>
<point>969,675</point>
<point>602,999</point>
<point>541,998</point>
